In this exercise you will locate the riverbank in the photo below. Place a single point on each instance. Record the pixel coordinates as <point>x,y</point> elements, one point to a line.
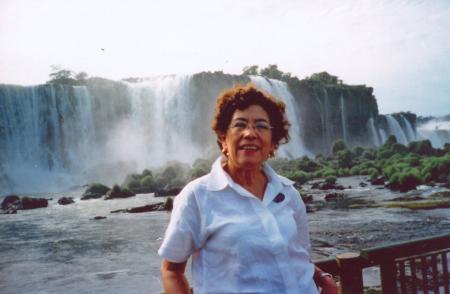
<point>62,248</point>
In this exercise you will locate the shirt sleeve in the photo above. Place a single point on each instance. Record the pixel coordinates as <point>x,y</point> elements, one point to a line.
<point>302,222</point>
<point>183,233</point>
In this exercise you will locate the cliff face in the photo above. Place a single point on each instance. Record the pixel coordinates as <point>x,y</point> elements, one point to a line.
<point>329,112</point>
<point>58,135</point>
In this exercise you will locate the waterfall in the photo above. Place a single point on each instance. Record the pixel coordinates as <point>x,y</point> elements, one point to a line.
<point>326,117</point>
<point>396,130</point>
<point>54,136</point>
<point>373,132</point>
<point>295,147</point>
<point>410,134</point>
<point>47,133</point>
<point>160,123</point>
<point>343,119</point>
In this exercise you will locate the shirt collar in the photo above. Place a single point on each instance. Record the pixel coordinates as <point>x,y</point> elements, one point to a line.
<point>219,179</point>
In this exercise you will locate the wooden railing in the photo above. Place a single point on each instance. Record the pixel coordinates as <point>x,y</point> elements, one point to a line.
<point>418,266</point>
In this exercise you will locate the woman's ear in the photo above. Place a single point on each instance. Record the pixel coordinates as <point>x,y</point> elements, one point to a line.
<point>223,145</point>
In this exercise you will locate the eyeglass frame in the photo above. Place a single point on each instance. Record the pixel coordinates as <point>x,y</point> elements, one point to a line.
<point>239,129</point>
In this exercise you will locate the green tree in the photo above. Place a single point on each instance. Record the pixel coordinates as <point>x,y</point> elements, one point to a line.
<point>272,72</point>
<point>325,78</point>
<point>250,70</point>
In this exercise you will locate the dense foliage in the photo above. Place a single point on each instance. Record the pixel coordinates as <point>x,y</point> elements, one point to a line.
<point>402,167</point>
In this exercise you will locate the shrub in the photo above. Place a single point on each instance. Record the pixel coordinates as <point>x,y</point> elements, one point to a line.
<point>148,184</point>
<point>368,154</point>
<point>132,182</point>
<point>421,147</point>
<point>355,171</point>
<point>384,153</point>
<point>358,151</point>
<point>373,173</point>
<point>330,179</point>
<point>344,158</point>
<point>343,172</point>
<point>399,148</point>
<point>405,180</point>
<point>299,177</point>
<point>390,141</point>
<point>339,145</point>
<point>116,188</point>
<point>328,172</point>
<point>146,172</point>
<point>447,148</point>
<point>307,165</point>
<point>436,168</point>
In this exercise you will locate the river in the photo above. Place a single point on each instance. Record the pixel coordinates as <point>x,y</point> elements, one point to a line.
<point>61,249</point>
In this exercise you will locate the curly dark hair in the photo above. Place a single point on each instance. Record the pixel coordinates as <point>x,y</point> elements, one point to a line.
<point>243,96</point>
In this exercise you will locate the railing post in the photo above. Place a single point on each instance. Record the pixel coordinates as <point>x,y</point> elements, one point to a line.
<point>350,272</point>
<point>388,271</point>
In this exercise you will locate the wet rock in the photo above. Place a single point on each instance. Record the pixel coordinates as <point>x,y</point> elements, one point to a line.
<point>65,200</point>
<point>160,206</point>
<point>378,181</point>
<point>11,201</point>
<point>114,194</point>
<point>334,197</point>
<point>169,192</point>
<point>99,217</point>
<point>327,186</point>
<point>307,198</point>
<point>33,203</point>
<point>362,184</point>
<point>95,191</point>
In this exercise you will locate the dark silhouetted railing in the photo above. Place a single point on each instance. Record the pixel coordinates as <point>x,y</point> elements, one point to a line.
<point>418,266</point>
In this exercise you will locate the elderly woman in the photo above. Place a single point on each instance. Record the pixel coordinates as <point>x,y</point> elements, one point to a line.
<point>244,226</point>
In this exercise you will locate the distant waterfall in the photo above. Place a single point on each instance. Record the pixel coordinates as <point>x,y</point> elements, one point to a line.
<point>57,136</point>
<point>326,117</point>
<point>160,122</point>
<point>343,119</point>
<point>396,130</point>
<point>373,132</point>
<point>410,134</point>
<point>295,147</point>
<point>47,132</point>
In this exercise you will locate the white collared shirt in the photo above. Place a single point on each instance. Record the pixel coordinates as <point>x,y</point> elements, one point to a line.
<point>238,243</point>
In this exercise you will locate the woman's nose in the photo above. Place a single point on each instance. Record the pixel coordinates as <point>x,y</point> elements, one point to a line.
<point>250,131</point>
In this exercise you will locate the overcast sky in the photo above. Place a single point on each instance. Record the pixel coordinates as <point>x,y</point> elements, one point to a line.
<point>401,48</point>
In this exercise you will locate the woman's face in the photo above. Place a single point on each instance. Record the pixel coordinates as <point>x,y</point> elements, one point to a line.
<point>248,140</point>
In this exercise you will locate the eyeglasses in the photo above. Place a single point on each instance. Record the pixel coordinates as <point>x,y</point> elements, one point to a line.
<point>260,127</point>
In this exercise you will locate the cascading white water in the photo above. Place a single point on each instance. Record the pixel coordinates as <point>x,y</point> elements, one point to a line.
<point>56,136</point>
<point>383,136</point>
<point>160,123</point>
<point>326,117</point>
<point>410,134</point>
<point>373,132</point>
<point>396,130</point>
<point>47,135</point>
<point>343,119</point>
<point>295,147</point>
